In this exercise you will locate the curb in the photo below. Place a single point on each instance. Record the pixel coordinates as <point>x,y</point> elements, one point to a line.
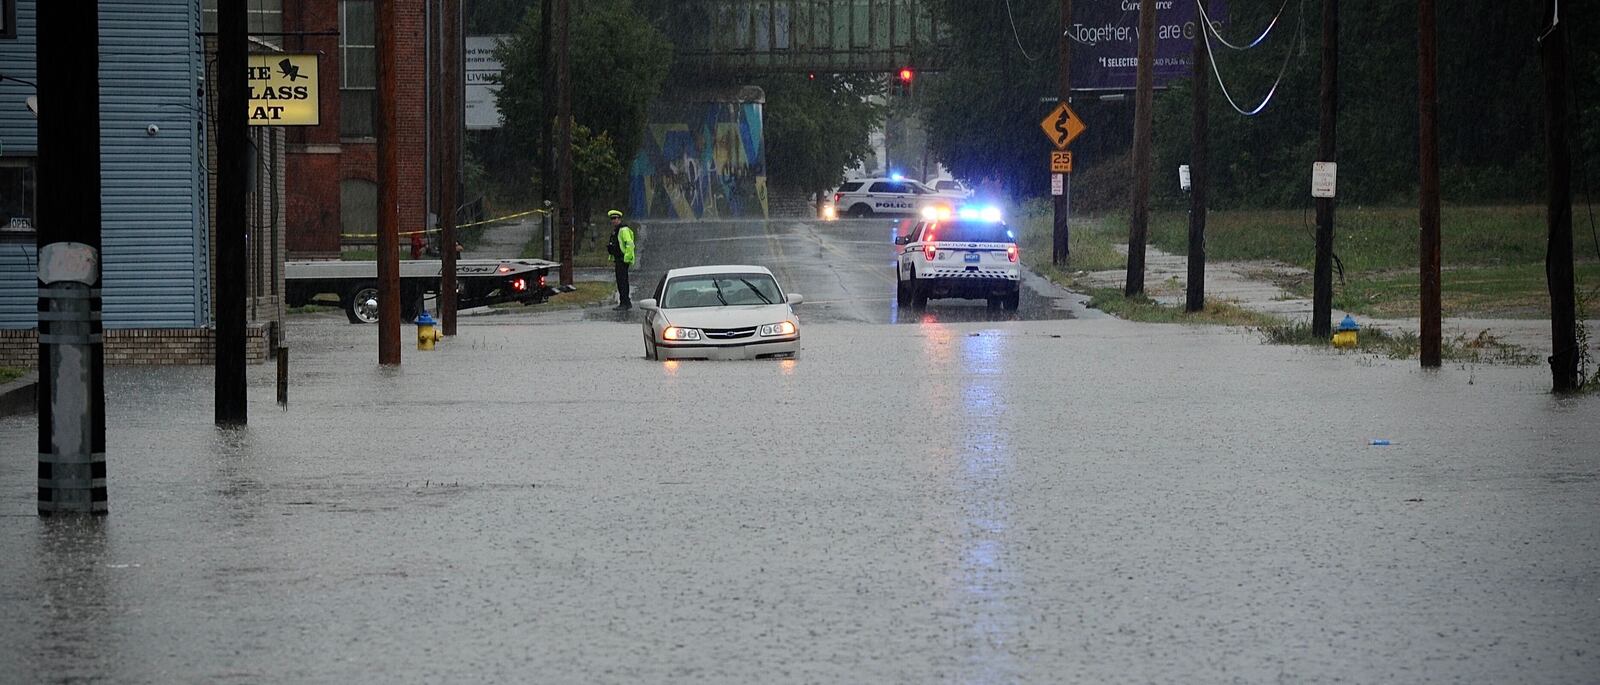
<point>18,397</point>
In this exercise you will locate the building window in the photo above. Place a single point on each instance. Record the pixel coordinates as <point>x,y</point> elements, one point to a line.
<point>358,206</point>
<point>8,18</point>
<point>18,194</point>
<point>358,68</point>
<point>266,17</point>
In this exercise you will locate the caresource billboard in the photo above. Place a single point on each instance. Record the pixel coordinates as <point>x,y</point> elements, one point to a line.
<point>1105,41</point>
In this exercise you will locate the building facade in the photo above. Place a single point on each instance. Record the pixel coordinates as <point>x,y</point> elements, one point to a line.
<point>156,198</point>
<point>332,168</point>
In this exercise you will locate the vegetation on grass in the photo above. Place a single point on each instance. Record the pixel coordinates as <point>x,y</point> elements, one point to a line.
<point>9,373</point>
<point>588,294</point>
<point>1482,348</point>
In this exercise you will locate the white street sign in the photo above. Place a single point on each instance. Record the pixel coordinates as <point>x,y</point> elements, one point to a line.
<point>1057,186</point>
<point>482,69</point>
<point>1183,177</point>
<point>1324,178</point>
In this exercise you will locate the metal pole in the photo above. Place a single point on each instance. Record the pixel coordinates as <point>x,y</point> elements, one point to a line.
<point>1558,251</point>
<point>1327,151</point>
<point>1195,298</point>
<point>1061,243</point>
<point>1143,118</point>
<point>450,77</point>
<point>1428,198</point>
<point>234,162</point>
<point>71,393</point>
<point>388,187</point>
<point>564,220</point>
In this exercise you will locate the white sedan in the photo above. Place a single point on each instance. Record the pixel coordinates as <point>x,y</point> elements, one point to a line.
<point>720,312</point>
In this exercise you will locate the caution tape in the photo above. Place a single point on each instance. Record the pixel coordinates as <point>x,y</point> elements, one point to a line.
<point>424,231</point>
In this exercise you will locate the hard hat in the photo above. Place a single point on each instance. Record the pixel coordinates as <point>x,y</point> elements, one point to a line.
<point>615,214</point>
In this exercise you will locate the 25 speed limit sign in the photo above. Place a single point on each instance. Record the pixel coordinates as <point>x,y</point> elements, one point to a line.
<point>1061,162</point>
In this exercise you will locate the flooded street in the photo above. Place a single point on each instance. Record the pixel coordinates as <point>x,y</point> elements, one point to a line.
<point>1058,497</point>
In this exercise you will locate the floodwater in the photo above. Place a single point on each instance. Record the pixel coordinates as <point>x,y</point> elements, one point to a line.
<point>1058,499</point>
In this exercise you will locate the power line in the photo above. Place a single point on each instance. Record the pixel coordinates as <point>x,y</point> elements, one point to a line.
<point>1212,29</point>
<point>1015,36</point>
<point>1288,57</point>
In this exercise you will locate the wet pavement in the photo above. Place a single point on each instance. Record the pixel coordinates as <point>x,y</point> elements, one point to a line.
<point>1049,500</point>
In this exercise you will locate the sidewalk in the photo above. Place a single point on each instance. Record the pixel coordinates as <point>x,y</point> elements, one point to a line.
<point>1253,286</point>
<point>504,240</point>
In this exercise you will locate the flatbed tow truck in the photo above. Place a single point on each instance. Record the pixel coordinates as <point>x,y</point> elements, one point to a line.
<point>479,283</point>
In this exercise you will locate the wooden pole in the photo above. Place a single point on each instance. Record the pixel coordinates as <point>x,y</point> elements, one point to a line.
<point>547,114</point>
<point>562,27</point>
<point>1061,243</point>
<point>1327,151</point>
<point>1558,257</point>
<point>388,187</point>
<point>1195,298</point>
<point>71,393</point>
<point>1143,119</point>
<point>450,79</point>
<point>1428,197</point>
<point>233,188</point>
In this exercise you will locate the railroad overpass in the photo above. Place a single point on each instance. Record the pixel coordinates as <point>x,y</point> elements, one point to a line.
<point>824,36</point>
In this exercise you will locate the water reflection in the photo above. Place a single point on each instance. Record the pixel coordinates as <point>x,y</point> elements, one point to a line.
<point>970,401</point>
<point>78,605</point>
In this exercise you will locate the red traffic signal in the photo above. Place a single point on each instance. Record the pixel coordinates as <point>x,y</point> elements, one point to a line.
<point>905,75</point>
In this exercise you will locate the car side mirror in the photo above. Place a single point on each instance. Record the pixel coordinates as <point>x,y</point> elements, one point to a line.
<point>648,304</point>
<point>795,298</point>
<point>902,240</point>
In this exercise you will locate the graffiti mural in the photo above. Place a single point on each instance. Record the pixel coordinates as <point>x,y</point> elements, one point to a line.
<point>702,160</point>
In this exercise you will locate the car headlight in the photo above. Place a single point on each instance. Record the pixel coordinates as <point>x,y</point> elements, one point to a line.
<point>676,333</point>
<point>780,328</point>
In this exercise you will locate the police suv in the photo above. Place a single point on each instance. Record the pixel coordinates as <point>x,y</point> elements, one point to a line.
<point>968,253</point>
<point>864,197</point>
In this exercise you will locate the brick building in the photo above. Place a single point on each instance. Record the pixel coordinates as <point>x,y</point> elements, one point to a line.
<point>332,168</point>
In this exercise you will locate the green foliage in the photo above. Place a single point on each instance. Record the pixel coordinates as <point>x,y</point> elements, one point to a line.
<point>983,113</point>
<point>597,174</point>
<point>619,62</point>
<point>8,374</point>
<point>815,129</point>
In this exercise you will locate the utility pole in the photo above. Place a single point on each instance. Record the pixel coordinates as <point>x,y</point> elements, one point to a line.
<point>1558,247</point>
<point>1195,298</point>
<point>450,82</point>
<point>233,188</point>
<point>1143,119</point>
<point>1428,197</point>
<point>1327,151</point>
<point>547,116</point>
<point>388,188</point>
<point>71,394</point>
<point>1061,244</point>
<point>564,219</point>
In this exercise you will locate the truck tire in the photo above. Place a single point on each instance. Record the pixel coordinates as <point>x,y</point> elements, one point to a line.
<point>902,290</point>
<point>860,210</point>
<point>361,303</point>
<point>919,294</point>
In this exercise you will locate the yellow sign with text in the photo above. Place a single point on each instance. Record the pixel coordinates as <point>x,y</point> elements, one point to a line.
<point>1061,162</point>
<point>283,90</point>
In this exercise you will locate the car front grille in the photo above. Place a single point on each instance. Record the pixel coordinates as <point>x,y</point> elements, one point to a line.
<point>728,333</point>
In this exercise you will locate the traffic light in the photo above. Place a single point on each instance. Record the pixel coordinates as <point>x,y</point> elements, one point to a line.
<point>905,75</point>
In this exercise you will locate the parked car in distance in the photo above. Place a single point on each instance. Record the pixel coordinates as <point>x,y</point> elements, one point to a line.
<point>720,312</point>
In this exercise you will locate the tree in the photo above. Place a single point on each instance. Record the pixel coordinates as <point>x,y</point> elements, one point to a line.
<point>619,62</point>
<point>817,128</point>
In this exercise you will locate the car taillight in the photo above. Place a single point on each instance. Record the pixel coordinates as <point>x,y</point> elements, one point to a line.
<point>928,252</point>
<point>541,281</point>
<point>503,269</point>
<point>1011,252</point>
<point>519,284</point>
<point>837,197</point>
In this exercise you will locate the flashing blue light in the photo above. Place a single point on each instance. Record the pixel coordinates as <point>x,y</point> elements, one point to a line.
<point>990,214</point>
<point>968,213</point>
<point>896,177</point>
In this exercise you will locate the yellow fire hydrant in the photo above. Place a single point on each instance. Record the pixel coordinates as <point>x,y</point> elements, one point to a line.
<point>1344,337</point>
<point>427,334</point>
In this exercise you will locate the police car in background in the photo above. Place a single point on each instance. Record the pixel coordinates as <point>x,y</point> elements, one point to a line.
<point>967,253</point>
<point>864,197</point>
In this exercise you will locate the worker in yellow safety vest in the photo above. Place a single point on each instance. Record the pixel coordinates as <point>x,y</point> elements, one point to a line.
<point>622,254</point>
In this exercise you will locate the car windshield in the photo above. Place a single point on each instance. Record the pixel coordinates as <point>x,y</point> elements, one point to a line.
<point>969,232</point>
<point>921,189</point>
<point>717,290</point>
